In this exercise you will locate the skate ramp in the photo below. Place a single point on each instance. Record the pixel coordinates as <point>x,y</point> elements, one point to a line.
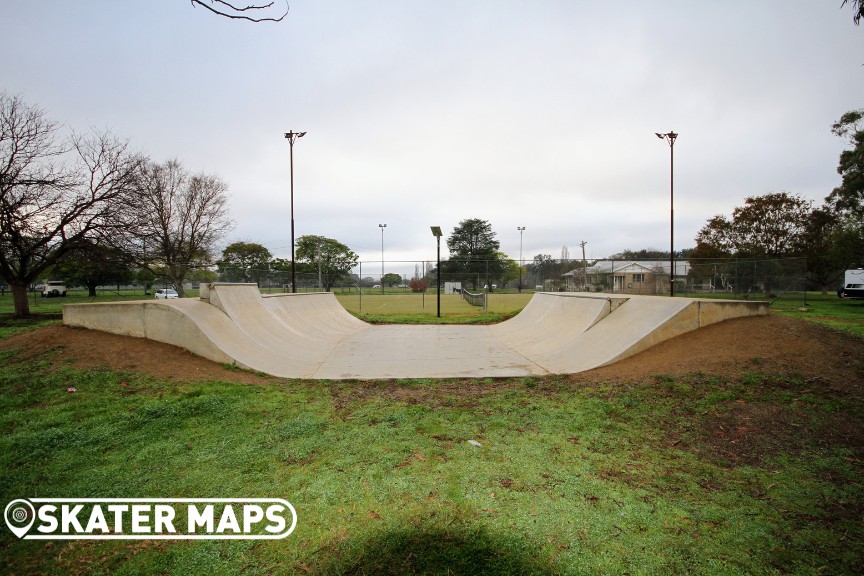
<point>312,336</point>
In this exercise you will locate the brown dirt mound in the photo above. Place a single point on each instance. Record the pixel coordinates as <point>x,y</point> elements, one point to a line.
<point>766,344</point>
<point>93,349</point>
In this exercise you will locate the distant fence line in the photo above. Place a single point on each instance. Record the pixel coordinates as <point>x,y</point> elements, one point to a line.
<point>729,277</point>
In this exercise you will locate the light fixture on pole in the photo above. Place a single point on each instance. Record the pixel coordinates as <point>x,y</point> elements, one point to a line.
<point>436,231</point>
<point>584,266</point>
<point>521,230</point>
<point>670,137</point>
<point>292,137</point>
<point>382,226</point>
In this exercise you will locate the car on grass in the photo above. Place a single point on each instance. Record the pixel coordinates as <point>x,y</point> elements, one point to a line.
<point>166,293</point>
<point>53,289</point>
<point>853,284</point>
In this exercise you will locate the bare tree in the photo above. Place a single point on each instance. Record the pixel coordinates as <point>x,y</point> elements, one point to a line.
<point>180,219</point>
<point>56,192</point>
<point>250,13</point>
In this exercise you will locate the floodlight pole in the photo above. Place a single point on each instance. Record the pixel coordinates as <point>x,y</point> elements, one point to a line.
<point>521,230</point>
<point>436,231</point>
<point>382,226</point>
<point>670,137</point>
<point>584,266</point>
<point>292,137</point>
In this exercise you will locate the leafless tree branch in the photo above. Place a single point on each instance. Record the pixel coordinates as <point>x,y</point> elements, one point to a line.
<point>229,10</point>
<point>857,9</point>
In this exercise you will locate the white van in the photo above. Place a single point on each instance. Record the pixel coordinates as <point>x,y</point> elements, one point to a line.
<point>853,284</point>
<point>53,288</point>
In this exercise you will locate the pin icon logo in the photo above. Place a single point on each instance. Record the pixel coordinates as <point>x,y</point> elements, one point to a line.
<point>19,515</point>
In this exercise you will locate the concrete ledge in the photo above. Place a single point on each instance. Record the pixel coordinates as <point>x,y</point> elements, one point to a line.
<point>125,318</point>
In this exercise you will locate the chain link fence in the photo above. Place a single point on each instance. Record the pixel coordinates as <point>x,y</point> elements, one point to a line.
<point>719,277</point>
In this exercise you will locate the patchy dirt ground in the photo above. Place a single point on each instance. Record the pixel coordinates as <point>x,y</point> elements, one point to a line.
<point>769,344</point>
<point>773,344</point>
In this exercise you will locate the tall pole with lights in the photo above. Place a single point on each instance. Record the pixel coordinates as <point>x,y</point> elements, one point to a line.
<point>584,267</point>
<point>292,137</point>
<point>521,230</point>
<point>436,231</point>
<point>382,226</point>
<point>670,138</point>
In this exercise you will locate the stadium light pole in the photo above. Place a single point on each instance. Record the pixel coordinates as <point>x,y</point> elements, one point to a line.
<point>382,226</point>
<point>521,230</point>
<point>436,231</point>
<point>670,138</point>
<point>292,137</point>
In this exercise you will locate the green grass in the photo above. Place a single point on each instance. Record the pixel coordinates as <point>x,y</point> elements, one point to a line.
<point>423,309</point>
<point>841,314</point>
<point>11,326</point>
<point>611,478</point>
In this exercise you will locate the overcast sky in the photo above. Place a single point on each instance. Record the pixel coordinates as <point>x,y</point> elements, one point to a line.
<point>539,114</point>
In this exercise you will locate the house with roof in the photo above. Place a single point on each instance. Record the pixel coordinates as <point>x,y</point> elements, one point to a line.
<point>625,276</point>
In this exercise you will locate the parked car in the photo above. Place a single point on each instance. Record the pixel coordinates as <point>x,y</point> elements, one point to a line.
<point>53,288</point>
<point>165,293</point>
<point>853,284</point>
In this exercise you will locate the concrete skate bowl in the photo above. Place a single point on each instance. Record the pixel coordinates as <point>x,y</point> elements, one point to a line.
<point>312,336</point>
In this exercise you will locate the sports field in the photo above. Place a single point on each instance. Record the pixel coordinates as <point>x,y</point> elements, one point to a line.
<point>423,308</point>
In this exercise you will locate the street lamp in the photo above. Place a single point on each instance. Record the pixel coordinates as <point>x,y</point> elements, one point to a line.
<point>436,231</point>
<point>670,137</point>
<point>584,266</point>
<point>292,137</point>
<point>521,230</point>
<point>382,226</point>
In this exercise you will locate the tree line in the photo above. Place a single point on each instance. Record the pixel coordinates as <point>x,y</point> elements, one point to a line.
<point>326,260</point>
<point>89,208</point>
<point>782,224</point>
<point>87,200</point>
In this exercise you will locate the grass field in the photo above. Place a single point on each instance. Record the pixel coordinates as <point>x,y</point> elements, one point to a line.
<point>423,309</point>
<point>841,314</point>
<point>601,480</point>
<point>610,478</point>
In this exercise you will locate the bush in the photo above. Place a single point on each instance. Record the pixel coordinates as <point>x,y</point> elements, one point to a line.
<point>419,284</point>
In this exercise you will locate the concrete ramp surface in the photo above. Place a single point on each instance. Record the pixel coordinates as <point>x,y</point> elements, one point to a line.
<point>312,336</point>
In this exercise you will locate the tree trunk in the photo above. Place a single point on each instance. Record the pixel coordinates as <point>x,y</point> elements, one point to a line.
<point>177,277</point>
<point>19,297</point>
<point>91,290</point>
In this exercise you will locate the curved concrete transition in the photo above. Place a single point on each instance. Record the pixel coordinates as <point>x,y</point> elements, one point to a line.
<point>312,336</point>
